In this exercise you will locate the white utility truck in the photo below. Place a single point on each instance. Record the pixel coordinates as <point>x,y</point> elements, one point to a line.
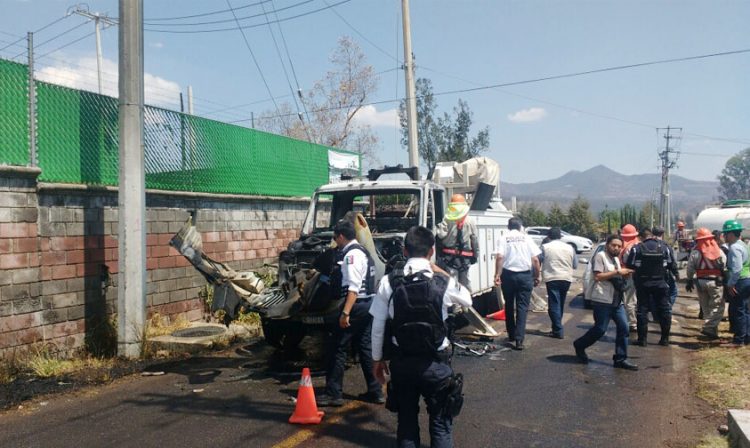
<point>383,211</point>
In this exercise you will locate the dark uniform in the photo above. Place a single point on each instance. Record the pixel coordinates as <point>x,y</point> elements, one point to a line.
<point>350,268</point>
<point>417,303</point>
<point>652,261</point>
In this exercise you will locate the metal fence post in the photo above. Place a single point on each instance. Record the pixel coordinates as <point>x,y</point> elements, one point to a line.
<point>32,100</point>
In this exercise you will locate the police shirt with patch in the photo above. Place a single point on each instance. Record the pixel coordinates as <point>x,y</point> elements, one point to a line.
<point>353,268</point>
<point>517,248</point>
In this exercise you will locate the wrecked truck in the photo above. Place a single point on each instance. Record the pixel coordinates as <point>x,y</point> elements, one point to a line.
<point>383,210</point>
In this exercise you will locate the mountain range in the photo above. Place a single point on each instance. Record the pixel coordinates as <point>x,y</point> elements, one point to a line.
<point>602,186</point>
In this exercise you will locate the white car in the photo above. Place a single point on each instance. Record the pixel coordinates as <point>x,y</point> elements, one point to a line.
<point>579,243</point>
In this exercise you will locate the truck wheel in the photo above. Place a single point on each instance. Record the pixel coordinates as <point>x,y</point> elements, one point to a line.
<point>282,333</point>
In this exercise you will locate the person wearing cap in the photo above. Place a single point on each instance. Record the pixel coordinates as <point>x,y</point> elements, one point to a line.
<point>629,236</point>
<point>738,283</point>
<point>517,272</point>
<point>457,240</point>
<point>706,264</point>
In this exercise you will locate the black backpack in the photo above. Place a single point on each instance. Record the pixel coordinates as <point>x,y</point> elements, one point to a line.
<point>652,263</point>
<point>417,323</point>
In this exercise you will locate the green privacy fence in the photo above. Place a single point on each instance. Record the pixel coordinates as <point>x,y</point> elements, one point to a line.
<point>77,142</point>
<point>14,113</point>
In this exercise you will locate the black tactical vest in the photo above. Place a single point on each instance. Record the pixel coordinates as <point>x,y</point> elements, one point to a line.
<point>418,324</point>
<point>652,262</point>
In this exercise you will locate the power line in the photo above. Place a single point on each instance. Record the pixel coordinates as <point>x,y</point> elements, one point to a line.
<point>547,78</point>
<point>252,16</point>
<point>211,13</point>
<point>56,36</point>
<point>247,26</point>
<point>67,45</point>
<point>255,61</point>
<point>376,46</point>
<point>44,27</point>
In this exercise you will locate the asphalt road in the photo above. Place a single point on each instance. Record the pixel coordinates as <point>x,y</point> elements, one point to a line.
<point>536,398</point>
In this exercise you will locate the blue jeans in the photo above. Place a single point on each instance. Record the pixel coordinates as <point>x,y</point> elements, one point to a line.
<point>557,290</point>
<point>516,288</point>
<point>412,377</point>
<point>602,315</point>
<point>359,335</point>
<point>739,312</point>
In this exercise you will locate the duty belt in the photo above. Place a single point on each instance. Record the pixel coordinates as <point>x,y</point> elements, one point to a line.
<point>456,252</point>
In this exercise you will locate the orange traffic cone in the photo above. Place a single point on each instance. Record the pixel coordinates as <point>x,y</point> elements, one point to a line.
<point>306,411</point>
<point>499,315</point>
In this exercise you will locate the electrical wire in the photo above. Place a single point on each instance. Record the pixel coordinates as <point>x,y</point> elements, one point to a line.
<point>255,61</point>
<point>252,16</point>
<point>154,30</point>
<point>211,13</point>
<point>44,27</point>
<point>68,44</point>
<point>296,80</point>
<point>376,46</point>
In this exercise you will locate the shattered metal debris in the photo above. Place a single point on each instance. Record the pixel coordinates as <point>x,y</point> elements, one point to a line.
<point>471,348</point>
<point>152,373</point>
<point>197,391</point>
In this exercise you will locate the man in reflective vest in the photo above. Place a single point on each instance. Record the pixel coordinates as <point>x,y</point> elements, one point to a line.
<point>738,284</point>
<point>706,263</point>
<point>457,238</point>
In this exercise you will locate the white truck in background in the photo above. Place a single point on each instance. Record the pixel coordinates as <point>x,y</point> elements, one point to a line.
<point>713,218</point>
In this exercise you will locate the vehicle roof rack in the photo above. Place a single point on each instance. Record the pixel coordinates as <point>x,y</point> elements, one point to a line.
<point>412,172</point>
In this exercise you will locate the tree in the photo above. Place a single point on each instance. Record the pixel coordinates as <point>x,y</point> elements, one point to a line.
<point>531,215</point>
<point>580,221</point>
<point>332,105</point>
<point>443,139</point>
<point>556,216</point>
<point>648,211</point>
<point>428,130</point>
<point>734,181</point>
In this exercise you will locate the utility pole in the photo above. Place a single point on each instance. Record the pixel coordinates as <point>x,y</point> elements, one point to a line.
<point>97,18</point>
<point>668,159</point>
<point>190,100</point>
<point>131,288</point>
<point>411,100</point>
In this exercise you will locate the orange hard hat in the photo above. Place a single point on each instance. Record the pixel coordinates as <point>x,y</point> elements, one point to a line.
<point>680,224</point>
<point>629,230</point>
<point>458,198</point>
<point>703,234</point>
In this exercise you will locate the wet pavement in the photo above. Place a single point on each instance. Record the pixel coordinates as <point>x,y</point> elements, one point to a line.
<point>540,397</point>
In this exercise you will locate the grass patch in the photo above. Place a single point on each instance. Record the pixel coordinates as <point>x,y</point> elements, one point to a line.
<point>158,325</point>
<point>713,441</point>
<point>722,377</point>
<point>44,361</point>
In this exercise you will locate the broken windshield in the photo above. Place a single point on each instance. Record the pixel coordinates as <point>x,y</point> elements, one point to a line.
<point>386,211</point>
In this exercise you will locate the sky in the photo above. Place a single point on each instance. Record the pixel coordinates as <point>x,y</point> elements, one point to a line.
<point>538,130</point>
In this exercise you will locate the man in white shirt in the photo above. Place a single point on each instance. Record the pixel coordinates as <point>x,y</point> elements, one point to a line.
<point>517,272</point>
<point>420,361</point>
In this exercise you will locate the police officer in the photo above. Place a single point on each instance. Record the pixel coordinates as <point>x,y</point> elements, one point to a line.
<point>354,279</point>
<point>738,284</point>
<point>651,258</point>
<point>457,238</point>
<point>416,300</point>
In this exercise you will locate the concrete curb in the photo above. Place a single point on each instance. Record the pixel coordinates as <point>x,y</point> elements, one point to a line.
<point>739,428</point>
<point>199,344</point>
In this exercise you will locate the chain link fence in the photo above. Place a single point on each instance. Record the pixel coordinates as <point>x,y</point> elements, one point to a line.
<point>14,113</point>
<point>77,142</point>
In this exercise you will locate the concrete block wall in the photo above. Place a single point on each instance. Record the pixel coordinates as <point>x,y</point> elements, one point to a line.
<point>59,254</point>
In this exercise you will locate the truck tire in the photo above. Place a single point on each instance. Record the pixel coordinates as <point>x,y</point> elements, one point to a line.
<point>283,334</point>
